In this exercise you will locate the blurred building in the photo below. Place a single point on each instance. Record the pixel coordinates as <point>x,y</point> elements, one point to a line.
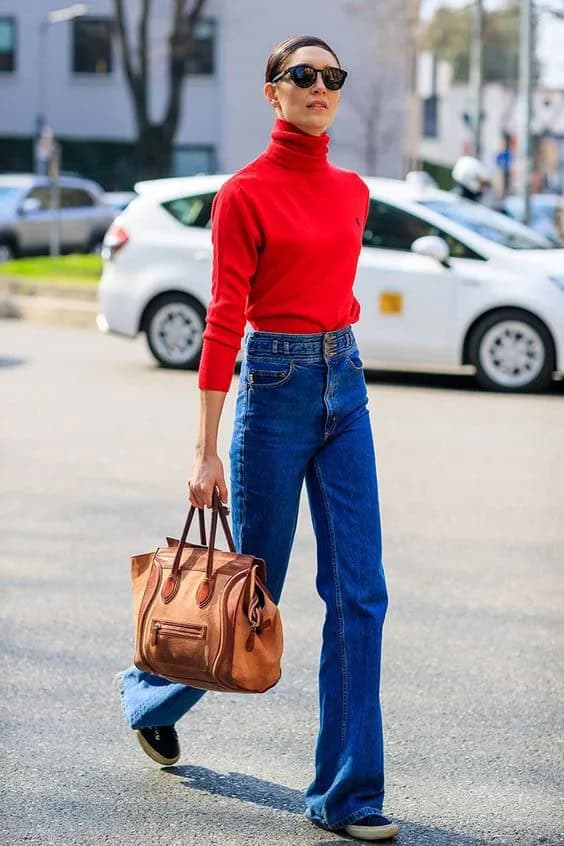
<point>71,74</point>
<point>445,128</point>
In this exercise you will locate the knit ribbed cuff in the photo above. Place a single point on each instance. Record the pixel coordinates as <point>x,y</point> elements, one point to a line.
<point>216,366</point>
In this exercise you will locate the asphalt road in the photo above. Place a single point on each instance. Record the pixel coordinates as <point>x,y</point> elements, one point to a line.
<point>96,444</point>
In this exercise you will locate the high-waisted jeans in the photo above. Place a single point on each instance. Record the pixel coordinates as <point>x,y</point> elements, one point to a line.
<point>302,413</point>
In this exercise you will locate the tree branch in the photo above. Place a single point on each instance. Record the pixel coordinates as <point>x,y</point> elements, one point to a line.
<point>142,39</point>
<point>132,74</point>
<point>180,41</point>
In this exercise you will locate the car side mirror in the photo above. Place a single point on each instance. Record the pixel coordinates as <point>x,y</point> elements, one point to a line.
<point>434,247</point>
<point>30,205</point>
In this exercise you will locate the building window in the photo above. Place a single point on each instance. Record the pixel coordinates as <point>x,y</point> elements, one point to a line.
<point>430,117</point>
<point>200,55</point>
<point>7,45</point>
<point>92,47</point>
<point>189,160</point>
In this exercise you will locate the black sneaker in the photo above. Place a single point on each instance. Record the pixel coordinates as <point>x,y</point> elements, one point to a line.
<point>374,827</point>
<point>160,743</point>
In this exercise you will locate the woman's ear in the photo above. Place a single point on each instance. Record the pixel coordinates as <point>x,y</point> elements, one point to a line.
<point>270,94</point>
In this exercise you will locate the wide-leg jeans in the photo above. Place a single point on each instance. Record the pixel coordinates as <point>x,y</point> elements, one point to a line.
<point>302,414</point>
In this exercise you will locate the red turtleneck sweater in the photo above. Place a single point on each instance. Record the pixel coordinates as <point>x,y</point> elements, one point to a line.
<point>286,234</point>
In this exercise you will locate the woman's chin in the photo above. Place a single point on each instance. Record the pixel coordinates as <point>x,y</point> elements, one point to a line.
<point>315,119</point>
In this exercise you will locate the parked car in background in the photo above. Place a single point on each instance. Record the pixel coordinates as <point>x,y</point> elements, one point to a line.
<point>26,216</point>
<point>118,200</point>
<point>547,214</point>
<point>440,280</point>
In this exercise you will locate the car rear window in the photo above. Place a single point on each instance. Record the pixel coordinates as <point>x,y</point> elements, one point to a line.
<point>191,211</point>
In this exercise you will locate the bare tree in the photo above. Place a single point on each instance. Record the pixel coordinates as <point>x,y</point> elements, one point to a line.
<point>155,138</point>
<point>368,103</point>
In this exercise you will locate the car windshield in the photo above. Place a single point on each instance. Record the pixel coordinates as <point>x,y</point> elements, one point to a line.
<point>490,224</point>
<point>9,197</point>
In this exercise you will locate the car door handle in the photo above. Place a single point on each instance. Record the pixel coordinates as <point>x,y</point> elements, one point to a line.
<point>202,255</point>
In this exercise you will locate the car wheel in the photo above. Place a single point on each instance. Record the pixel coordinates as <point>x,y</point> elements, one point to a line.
<point>174,325</point>
<point>512,351</point>
<point>6,252</point>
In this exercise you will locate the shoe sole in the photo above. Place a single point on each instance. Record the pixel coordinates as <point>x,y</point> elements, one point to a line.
<point>152,753</point>
<point>373,832</point>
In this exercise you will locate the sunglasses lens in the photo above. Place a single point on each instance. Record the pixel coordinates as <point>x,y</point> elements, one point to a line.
<point>303,76</point>
<point>333,78</point>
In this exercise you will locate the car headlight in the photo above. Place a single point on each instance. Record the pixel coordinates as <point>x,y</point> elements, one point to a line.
<point>558,280</point>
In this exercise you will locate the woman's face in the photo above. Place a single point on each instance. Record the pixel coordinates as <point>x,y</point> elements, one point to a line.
<point>296,104</point>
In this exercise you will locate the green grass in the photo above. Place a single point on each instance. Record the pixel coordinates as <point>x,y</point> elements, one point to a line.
<point>75,269</point>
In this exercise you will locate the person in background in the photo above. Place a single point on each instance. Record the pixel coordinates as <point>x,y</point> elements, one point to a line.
<point>471,178</point>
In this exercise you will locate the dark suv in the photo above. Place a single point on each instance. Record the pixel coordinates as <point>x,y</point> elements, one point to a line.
<point>26,215</point>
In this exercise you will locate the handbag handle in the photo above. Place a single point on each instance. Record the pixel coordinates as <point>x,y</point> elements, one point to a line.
<point>217,508</point>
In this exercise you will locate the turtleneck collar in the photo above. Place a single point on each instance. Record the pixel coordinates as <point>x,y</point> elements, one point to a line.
<point>295,149</point>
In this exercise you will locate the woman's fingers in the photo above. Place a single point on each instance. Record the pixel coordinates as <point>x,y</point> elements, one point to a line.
<point>200,494</point>
<point>207,475</point>
<point>193,496</point>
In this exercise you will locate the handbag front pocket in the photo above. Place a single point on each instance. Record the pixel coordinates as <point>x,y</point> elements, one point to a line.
<point>173,645</point>
<point>166,628</point>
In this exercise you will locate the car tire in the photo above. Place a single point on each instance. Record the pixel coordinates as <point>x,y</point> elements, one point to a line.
<point>512,351</point>
<point>174,325</point>
<point>7,252</point>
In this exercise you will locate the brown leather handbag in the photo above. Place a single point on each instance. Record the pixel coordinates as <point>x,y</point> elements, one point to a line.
<point>203,617</point>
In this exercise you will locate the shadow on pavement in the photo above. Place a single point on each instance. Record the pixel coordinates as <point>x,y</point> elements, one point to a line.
<point>412,834</point>
<point>242,786</point>
<point>462,381</point>
<point>248,788</point>
<point>446,381</point>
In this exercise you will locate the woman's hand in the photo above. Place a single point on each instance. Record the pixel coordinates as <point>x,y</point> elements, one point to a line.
<point>207,473</point>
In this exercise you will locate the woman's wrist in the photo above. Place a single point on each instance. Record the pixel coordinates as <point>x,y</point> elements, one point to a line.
<point>204,450</point>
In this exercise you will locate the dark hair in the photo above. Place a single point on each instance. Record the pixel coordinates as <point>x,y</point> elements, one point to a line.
<point>281,51</point>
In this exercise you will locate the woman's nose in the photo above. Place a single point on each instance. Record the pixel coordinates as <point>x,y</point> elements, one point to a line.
<point>319,85</point>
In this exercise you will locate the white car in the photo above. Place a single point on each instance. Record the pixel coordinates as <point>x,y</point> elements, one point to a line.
<point>441,281</point>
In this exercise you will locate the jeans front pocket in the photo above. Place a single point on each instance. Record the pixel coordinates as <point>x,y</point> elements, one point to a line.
<point>354,361</point>
<point>266,375</point>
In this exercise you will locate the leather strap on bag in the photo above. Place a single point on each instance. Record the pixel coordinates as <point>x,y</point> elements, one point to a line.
<point>205,589</point>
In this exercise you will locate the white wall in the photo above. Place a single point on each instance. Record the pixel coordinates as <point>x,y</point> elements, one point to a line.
<point>228,109</point>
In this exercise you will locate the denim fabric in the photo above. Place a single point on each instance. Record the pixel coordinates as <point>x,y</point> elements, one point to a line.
<point>302,414</point>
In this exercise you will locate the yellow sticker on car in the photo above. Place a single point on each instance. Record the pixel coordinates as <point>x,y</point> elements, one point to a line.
<point>391,302</point>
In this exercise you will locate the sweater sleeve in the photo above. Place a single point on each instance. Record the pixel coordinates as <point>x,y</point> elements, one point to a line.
<point>366,192</point>
<point>236,241</point>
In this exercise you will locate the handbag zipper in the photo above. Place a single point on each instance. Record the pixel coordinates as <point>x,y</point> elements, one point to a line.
<point>190,630</point>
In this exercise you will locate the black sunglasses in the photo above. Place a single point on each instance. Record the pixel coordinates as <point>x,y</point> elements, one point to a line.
<point>304,76</point>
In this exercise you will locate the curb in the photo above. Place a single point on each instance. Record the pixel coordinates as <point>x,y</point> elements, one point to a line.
<point>48,302</point>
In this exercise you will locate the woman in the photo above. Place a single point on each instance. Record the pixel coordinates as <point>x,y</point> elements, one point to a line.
<point>287,232</point>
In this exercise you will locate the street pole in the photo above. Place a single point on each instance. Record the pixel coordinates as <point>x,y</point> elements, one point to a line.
<point>525,103</point>
<point>41,107</point>
<point>68,13</point>
<point>55,227</point>
<point>476,75</point>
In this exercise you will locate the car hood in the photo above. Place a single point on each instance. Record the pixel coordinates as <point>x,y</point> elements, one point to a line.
<point>549,261</point>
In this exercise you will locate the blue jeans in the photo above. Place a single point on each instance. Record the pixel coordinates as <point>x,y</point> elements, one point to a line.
<point>301,413</point>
